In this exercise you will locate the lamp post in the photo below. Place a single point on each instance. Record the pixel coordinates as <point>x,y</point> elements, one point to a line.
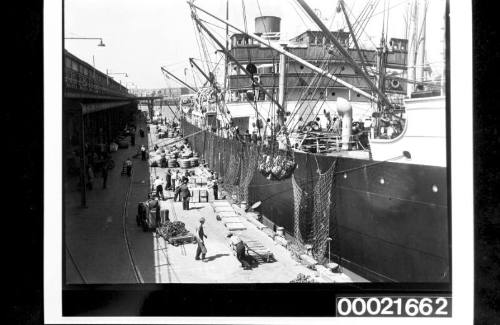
<point>108,73</point>
<point>101,44</point>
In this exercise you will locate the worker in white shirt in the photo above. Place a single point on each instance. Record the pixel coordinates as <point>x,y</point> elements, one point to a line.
<point>173,179</point>
<point>158,184</point>
<point>239,246</point>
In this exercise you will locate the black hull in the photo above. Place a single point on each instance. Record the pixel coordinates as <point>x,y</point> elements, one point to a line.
<point>395,231</point>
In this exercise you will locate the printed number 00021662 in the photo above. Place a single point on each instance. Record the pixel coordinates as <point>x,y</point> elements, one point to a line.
<point>394,306</point>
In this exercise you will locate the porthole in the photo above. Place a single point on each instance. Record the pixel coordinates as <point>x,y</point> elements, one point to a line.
<point>301,67</point>
<point>333,93</point>
<point>358,95</point>
<point>382,180</point>
<point>434,188</point>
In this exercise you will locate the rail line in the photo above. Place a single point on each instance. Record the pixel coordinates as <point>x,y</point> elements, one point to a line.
<point>137,272</point>
<point>77,268</point>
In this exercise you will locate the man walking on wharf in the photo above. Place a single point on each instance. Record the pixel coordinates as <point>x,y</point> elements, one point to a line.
<point>200,235</point>
<point>184,193</point>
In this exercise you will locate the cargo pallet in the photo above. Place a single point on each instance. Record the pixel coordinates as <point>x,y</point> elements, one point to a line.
<point>180,240</point>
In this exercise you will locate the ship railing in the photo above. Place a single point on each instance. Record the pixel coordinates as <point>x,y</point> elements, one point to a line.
<point>327,142</point>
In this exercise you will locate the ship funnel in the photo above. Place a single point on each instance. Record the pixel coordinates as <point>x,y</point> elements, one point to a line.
<point>344,108</point>
<point>268,27</point>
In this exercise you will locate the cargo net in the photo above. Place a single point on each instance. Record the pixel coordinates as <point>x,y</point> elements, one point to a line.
<point>232,174</point>
<point>248,167</point>
<point>312,209</point>
<point>210,150</point>
<point>276,165</point>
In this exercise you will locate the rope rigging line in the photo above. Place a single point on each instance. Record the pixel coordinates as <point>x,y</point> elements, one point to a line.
<point>329,84</point>
<point>202,40</point>
<point>197,35</point>
<point>315,80</point>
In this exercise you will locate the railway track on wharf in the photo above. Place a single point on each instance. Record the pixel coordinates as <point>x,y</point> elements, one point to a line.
<point>133,264</point>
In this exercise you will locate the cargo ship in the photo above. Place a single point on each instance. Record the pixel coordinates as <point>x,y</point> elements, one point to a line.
<point>370,192</point>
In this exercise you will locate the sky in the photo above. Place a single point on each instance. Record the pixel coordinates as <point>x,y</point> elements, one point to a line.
<point>141,36</point>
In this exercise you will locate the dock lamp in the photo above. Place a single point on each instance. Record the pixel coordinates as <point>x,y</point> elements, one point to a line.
<point>101,43</point>
<point>117,73</point>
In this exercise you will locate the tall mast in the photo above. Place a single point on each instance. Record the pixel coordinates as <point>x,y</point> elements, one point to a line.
<point>382,54</point>
<point>226,64</point>
<point>443,40</point>
<point>422,58</point>
<point>414,51</point>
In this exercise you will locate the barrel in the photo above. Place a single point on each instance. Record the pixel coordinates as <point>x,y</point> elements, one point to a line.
<point>172,163</point>
<point>184,163</point>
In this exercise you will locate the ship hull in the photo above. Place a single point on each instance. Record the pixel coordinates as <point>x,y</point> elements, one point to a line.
<point>389,221</point>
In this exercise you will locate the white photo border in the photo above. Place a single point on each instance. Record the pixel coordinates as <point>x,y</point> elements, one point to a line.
<point>461,186</point>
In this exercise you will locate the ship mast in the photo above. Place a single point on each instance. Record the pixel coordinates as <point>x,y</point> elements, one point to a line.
<point>422,58</point>
<point>226,63</point>
<point>414,48</point>
<point>382,54</point>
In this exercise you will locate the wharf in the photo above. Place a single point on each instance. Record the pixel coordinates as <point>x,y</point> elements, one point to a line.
<point>104,245</point>
<point>177,263</point>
